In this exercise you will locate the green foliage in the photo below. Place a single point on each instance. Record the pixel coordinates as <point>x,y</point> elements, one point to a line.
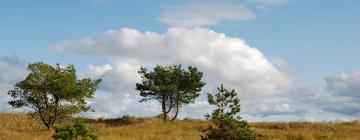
<point>52,92</point>
<point>75,131</point>
<point>121,121</point>
<point>224,125</point>
<point>172,86</point>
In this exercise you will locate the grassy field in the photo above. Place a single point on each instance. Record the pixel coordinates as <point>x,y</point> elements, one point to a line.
<point>18,126</point>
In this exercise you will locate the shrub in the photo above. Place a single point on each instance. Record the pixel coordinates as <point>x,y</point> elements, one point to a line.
<point>223,124</point>
<point>77,131</point>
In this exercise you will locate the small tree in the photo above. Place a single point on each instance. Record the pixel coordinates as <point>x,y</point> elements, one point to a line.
<point>223,124</point>
<point>172,86</point>
<point>74,131</point>
<point>52,92</point>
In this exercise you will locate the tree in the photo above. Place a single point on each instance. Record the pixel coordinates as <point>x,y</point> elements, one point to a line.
<point>52,92</point>
<point>76,131</point>
<point>171,85</point>
<point>223,124</point>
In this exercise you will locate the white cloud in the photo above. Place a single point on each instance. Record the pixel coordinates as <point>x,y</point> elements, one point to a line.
<point>345,83</point>
<point>279,63</point>
<point>223,59</point>
<point>12,70</point>
<point>343,93</point>
<point>231,59</point>
<point>274,106</point>
<point>270,2</point>
<point>211,12</point>
<point>266,92</point>
<point>205,13</point>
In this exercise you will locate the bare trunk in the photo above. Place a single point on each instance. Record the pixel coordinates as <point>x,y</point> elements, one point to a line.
<point>46,123</point>
<point>176,111</point>
<point>163,105</point>
<point>165,116</point>
<point>53,120</point>
<point>48,127</point>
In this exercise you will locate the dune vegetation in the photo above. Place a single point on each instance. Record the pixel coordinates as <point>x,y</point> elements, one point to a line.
<point>18,126</point>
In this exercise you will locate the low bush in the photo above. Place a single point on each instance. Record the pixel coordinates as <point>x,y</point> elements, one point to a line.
<point>77,131</point>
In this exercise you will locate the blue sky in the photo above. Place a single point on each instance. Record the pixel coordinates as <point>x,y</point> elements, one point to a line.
<point>315,39</point>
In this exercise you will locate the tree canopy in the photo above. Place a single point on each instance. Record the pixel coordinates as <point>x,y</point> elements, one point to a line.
<point>53,92</point>
<point>171,85</point>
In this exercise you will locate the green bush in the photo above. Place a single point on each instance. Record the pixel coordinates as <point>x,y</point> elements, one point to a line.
<point>77,131</point>
<point>223,124</point>
<point>124,120</point>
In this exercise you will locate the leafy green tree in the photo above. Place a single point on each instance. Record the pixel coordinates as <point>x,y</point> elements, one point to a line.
<point>52,92</point>
<point>223,124</point>
<point>171,85</point>
<point>74,132</point>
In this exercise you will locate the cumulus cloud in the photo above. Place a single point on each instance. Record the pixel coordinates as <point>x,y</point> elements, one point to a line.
<point>12,70</point>
<point>116,95</point>
<point>223,59</point>
<point>265,90</point>
<point>233,61</point>
<point>343,92</point>
<point>205,13</point>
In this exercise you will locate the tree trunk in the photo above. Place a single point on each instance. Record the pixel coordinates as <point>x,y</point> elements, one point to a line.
<point>163,105</point>
<point>48,126</point>
<point>176,111</point>
<point>165,116</point>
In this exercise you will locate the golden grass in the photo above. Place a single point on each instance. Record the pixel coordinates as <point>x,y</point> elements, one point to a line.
<point>18,126</point>
<point>307,131</point>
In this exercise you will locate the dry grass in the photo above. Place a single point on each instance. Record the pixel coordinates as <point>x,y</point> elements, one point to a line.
<point>17,126</point>
<point>308,131</point>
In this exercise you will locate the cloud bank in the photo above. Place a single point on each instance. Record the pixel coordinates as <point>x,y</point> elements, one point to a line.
<point>12,70</point>
<point>267,93</point>
<point>343,92</point>
<point>223,59</point>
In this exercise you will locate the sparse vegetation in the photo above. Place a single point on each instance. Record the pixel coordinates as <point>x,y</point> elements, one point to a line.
<point>54,94</point>
<point>18,126</point>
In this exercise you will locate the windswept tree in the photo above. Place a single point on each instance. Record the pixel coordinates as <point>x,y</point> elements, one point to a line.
<point>223,124</point>
<point>52,92</point>
<point>171,85</point>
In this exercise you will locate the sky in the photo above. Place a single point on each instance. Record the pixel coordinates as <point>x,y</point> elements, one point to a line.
<point>289,60</point>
